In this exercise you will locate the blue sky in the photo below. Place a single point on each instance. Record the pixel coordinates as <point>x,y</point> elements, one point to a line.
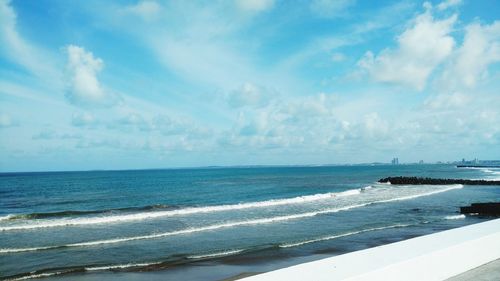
<point>153,84</point>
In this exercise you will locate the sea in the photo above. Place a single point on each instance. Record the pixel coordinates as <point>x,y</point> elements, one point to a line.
<point>217,223</point>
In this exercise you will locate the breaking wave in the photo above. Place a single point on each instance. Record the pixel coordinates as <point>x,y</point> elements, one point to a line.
<point>455,217</point>
<point>227,225</point>
<point>185,211</point>
<point>217,254</point>
<point>288,245</point>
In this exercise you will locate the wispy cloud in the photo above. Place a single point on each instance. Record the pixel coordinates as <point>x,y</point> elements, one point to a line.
<point>22,52</point>
<point>331,8</point>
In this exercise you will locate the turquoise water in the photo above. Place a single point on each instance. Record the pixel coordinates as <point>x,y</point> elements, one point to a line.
<point>82,224</point>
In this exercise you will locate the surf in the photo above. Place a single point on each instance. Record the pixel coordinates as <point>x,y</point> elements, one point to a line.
<point>228,225</point>
<point>289,245</point>
<point>180,212</point>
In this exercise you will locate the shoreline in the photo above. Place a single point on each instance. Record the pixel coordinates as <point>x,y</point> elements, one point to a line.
<point>463,249</point>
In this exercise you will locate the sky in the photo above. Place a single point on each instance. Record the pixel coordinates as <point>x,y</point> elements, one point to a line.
<point>156,84</point>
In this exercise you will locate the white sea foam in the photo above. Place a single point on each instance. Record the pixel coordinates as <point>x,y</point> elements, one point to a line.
<point>366,188</point>
<point>288,245</point>
<point>455,217</point>
<point>232,224</point>
<point>33,276</point>
<point>478,168</point>
<point>172,233</point>
<point>489,171</point>
<point>6,218</point>
<point>18,250</point>
<point>451,187</point>
<point>218,254</point>
<point>186,211</point>
<point>92,268</point>
<point>119,266</point>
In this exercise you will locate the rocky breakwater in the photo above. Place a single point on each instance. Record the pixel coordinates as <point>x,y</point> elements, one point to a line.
<point>484,209</point>
<point>434,181</point>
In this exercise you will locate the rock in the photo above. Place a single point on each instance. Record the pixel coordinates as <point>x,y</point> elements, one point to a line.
<point>478,166</point>
<point>432,181</point>
<point>485,209</point>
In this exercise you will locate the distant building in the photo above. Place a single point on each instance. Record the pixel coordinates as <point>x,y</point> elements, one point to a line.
<point>395,161</point>
<point>421,162</point>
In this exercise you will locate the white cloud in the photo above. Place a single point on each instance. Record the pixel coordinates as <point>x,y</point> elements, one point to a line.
<point>255,5</point>
<point>83,119</point>
<point>446,101</point>
<point>160,123</point>
<point>7,121</point>
<point>84,88</point>
<point>421,48</point>
<point>461,119</point>
<point>44,135</point>
<point>148,10</point>
<point>338,57</point>
<point>285,123</point>
<point>480,49</point>
<point>330,8</point>
<point>249,94</point>
<point>448,4</point>
<point>375,126</point>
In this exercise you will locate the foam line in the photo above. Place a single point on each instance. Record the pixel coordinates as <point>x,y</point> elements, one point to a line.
<point>218,254</point>
<point>33,276</point>
<point>227,225</point>
<point>119,266</point>
<point>455,217</point>
<point>7,217</point>
<point>288,245</point>
<point>186,211</point>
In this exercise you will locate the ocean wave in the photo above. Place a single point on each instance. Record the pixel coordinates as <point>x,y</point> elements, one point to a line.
<point>165,234</point>
<point>455,217</point>
<point>61,271</point>
<point>33,276</point>
<point>185,211</point>
<point>448,188</point>
<point>120,266</point>
<point>217,254</point>
<point>70,213</point>
<point>490,170</point>
<point>7,217</point>
<point>230,224</point>
<point>289,245</point>
<point>366,187</point>
<point>480,168</point>
<point>492,173</point>
<point>19,250</point>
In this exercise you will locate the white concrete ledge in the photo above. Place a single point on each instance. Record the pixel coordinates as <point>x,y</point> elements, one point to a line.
<point>436,256</point>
